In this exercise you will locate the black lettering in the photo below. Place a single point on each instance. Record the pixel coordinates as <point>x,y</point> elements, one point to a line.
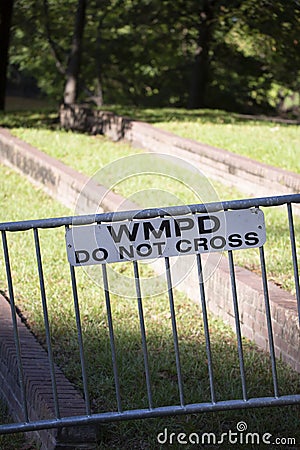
<point>159,246</point>
<point>200,242</point>
<point>128,253</point>
<point>251,238</point>
<point>183,224</point>
<point>205,221</point>
<point>124,229</point>
<point>235,240</point>
<point>100,258</point>
<point>85,258</point>
<point>215,245</point>
<point>164,227</point>
<point>179,246</point>
<point>148,250</point>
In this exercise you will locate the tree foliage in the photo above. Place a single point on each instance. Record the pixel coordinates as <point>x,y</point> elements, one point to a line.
<point>237,54</point>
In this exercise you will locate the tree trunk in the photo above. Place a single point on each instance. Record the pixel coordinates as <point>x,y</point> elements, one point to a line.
<point>6,9</point>
<point>200,70</point>
<point>98,88</point>
<point>72,73</point>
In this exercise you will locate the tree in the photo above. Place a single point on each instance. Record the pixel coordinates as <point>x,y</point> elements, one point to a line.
<point>6,9</point>
<point>71,72</point>
<point>234,55</point>
<point>200,67</point>
<point>73,66</point>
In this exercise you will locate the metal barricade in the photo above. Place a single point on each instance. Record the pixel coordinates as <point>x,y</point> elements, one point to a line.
<point>27,423</point>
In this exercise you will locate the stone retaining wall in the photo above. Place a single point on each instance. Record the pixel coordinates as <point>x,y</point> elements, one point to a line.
<point>250,177</point>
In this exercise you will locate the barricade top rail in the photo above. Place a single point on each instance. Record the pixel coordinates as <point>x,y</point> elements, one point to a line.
<point>150,213</point>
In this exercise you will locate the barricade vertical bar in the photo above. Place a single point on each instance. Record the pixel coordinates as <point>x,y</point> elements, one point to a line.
<point>15,325</point>
<point>143,332</point>
<point>269,323</point>
<point>294,256</point>
<point>80,339</point>
<point>46,320</point>
<point>206,329</point>
<point>237,324</point>
<point>174,329</point>
<point>111,337</point>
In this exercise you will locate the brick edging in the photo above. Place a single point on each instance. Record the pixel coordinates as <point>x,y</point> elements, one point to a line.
<point>38,386</point>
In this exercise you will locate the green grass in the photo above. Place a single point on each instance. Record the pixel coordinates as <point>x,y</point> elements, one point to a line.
<point>95,155</point>
<point>263,140</point>
<point>15,441</point>
<point>272,144</point>
<point>84,153</point>
<point>19,200</point>
<point>15,190</point>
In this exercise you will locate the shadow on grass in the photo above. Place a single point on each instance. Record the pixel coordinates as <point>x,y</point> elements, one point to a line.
<point>15,441</point>
<point>212,116</point>
<point>142,434</point>
<point>48,118</point>
<point>163,374</point>
<point>44,119</point>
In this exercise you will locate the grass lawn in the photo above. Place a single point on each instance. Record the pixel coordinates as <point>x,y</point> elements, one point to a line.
<point>266,141</point>
<point>19,200</point>
<point>15,190</point>
<point>89,154</point>
<point>15,441</point>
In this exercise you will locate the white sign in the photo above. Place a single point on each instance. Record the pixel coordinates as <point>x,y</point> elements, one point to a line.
<point>168,236</point>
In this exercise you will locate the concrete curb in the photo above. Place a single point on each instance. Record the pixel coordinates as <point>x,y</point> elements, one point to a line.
<point>58,180</point>
<point>258,179</point>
